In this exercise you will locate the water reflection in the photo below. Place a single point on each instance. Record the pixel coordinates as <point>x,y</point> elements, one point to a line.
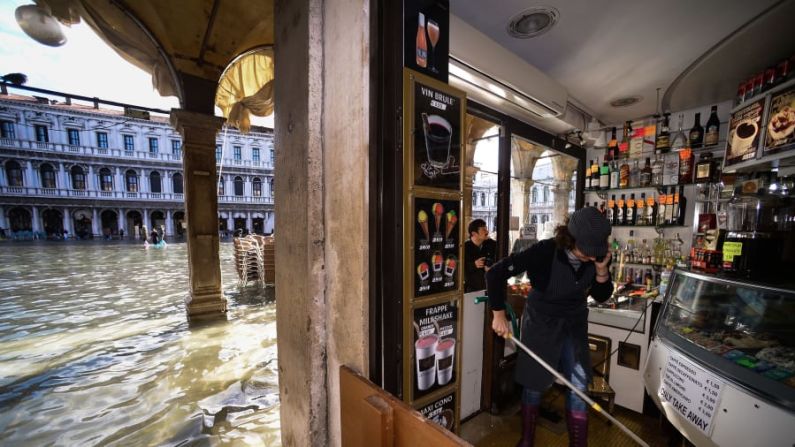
<point>95,349</point>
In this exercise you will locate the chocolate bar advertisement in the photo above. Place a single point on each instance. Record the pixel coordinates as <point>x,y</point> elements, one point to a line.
<point>436,240</point>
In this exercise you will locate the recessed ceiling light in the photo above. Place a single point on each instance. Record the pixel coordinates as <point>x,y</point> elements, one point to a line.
<point>624,102</point>
<point>533,22</point>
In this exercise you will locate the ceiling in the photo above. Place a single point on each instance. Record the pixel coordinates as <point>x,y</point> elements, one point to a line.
<point>601,50</point>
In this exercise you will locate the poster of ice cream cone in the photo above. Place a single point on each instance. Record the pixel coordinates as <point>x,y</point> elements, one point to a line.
<point>437,235</point>
<point>441,411</point>
<point>435,342</point>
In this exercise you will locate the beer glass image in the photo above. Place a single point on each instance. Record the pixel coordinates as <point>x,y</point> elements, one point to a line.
<point>425,352</point>
<point>438,133</point>
<point>445,356</point>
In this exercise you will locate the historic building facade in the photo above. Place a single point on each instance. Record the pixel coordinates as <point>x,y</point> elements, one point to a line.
<point>83,171</point>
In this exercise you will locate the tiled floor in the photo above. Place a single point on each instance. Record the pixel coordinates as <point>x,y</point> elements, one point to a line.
<point>487,430</point>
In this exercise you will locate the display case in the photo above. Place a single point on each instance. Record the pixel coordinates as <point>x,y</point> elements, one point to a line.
<point>722,361</point>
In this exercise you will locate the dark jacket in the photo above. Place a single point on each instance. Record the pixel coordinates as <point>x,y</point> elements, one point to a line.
<point>474,278</point>
<point>556,306</point>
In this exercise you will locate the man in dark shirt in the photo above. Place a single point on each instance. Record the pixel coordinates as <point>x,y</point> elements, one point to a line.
<point>479,254</point>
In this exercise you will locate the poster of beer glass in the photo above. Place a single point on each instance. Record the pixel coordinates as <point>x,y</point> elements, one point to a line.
<point>427,37</point>
<point>434,359</point>
<point>436,246</point>
<point>436,135</point>
<point>441,411</point>
<point>744,130</point>
<point>780,135</point>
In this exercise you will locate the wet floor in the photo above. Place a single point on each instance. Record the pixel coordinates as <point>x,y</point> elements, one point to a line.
<point>95,349</point>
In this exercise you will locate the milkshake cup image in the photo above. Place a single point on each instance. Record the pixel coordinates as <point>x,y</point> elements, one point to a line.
<point>422,219</point>
<point>452,219</point>
<point>425,352</point>
<point>449,266</point>
<point>423,272</point>
<point>437,261</point>
<point>445,356</point>
<point>438,210</point>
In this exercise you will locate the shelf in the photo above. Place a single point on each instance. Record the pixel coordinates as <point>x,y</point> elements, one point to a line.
<point>776,89</point>
<point>640,263</point>
<point>649,226</point>
<point>777,160</point>
<point>639,188</point>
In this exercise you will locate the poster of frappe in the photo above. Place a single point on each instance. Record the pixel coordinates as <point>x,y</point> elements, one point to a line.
<point>437,137</point>
<point>426,33</point>
<point>436,239</point>
<point>434,347</point>
<point>780,135</point>
<point>441,411</point>
<point>744,129</point>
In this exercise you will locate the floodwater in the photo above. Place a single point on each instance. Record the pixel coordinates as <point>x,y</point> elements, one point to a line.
<point>96,349</point>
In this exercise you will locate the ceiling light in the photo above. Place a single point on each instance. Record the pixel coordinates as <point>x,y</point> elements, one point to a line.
<point>533,22</point>
<point>625,102</point>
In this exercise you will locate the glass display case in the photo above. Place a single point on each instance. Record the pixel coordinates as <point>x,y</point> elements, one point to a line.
<point>742,332</point>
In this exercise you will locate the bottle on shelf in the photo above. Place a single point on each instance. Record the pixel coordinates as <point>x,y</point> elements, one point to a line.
<point>696,135</point>
<point>595,173</point>
<point>614,175</point>
<point>623,147</point>
<point>671,169</point>
<point>679,139</point>
<point>682,206</point>
<point>657,169</point>
<point>712,131</point>
<point>685,166</point>
<point>422,43</point>
<point>611,204</point>
<point>612,146</point>
<point>604,176</point>
<point>602,207</point>
<point>635,140</point>
<point>620,211</point>
<point>629,213</point>
<point>661,207</point>
<point>640,210</point>
<point>705,168</point>
<point>651,211</point>
<point>663,143</point>
<point>634,175</point>
<point>669,207</point>
<point>588,175</point>
<point>629,249</point>
<point>623,174</point>
<point>646,253</point>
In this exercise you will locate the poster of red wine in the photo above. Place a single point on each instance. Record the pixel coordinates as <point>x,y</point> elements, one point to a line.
<point>744,129</point>
<point>441,411</point>
<point>780,132</point>
<point>436,251</point>
<point>434,359</point>
<point>436,135</point>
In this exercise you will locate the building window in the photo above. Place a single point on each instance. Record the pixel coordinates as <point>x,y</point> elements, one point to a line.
<point>14,174</point>
<point>534,219</point>
<point>176,180</point>
<point>218,153</point>
<point>47,176</point>
<point>42,135</point>
<point>74,137</point>
<point>544,218</point>
<point>535,195</point>
<point>546,194</point>
<point>7,129</point>
<point>483,199</point>
<point>238,153</point>
<point>255,154</point>
<point>273,157</point>
<point>105,180</point>
<point>495,199</point>
<point>78,178</point>
<point>256,187</point>
<point>132,181</point>
<point>221,190</point>
<point>153,145</point>
<point>270,187</point>
<point>238,186</point>
<point>129,143</point>
<point>102,140</point>
<point>155,185</point>
<point>176,148</point>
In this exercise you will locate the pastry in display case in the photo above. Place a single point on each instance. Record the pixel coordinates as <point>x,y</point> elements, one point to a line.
<point>722,346</point>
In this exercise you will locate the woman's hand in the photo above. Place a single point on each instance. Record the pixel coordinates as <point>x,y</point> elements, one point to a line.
<point>500,324</point>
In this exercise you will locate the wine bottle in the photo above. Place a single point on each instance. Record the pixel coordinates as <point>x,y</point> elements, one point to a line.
<point>612,146</point>
<point>663,143</point>
<point>604,176</point>
<point>614,175</point>
<point>645,174</point>
<point>682,206</point>
<point>611,211</point>
<point>595,174</point>
<point>669,207</point>
<point>621,208</point>
<point>696,136</point>
<point>713,128</point>
<point>588,183</point>
<point>630,212</point>
<point>651,211</point>
<point>640,210</point>
<point>422,43</point>
<point>661,207</point>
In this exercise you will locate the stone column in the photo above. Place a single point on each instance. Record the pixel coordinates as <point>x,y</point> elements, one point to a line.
<point>562,171</point>
<point>469,177</point>
<point>146,223</point>
<point>67,222</point>
<point>91,184</point>
<point>121,185</point>
<point>96,225</point>
<point>30,175</point>
<point>249,223</point>
<point>122,221</point>
<point>169,223</point>
<point>63,181</point>
<point>527,199</point>
<point>201,210</point>
<point>35,219</point>
<point>143,183</point>
<point>3,221</point>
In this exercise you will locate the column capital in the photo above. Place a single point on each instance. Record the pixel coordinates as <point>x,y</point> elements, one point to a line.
<point>193,125</point>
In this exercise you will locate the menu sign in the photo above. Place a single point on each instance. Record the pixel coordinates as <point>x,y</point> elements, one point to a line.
<point>441,411</point>
<point>780,133</point>
<point>434,347</point>
<point>744,129</point>
<point>436,130</point>
<point>436,246</point>
<point>427,37</point>
<point>693,392</point>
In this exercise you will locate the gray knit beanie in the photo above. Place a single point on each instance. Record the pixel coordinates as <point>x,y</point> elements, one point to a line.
<point>590,230</point>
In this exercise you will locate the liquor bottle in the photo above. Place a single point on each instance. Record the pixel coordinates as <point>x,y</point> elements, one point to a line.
<point>671,169</point>
<point>602,208</point>
<point>612,146</point>
<point>604,176</point>
<point>623,147</point>
<point>696,136</point>
<point>651,211</point>
<point>635,140</point>
<point>661,207</point>
<point>663,143</point>
<point>640,210</point>
<point>629,249</point>
<point>645,173</point>
<point>705,168</point>
<point>712,131</point>
<point>682,206</point>
<point>675,217</point>
<point>614,175</point>
<point>634,175</point>
<point>595,174</point>
<point>630,212</point>
<point>669,207</point>
<point>679,140</point>
<point>588,175</point>
<point>657,169</point>
<point>611,211</point>
<point>587,204</point>
<point>422,43</point>
<point>685,166</point>
<point>620,208</point>
<point>623,175</point>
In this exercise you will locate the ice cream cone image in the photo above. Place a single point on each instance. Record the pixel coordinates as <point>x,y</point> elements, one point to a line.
<point>452,219</point>
<point>449,265</point>
<point>438,210</point>
<point>422,219</point>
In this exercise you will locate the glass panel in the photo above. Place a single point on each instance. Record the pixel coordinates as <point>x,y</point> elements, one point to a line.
<point>102,140</point>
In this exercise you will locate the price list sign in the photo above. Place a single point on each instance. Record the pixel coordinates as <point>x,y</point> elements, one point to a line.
<point>693,392</point>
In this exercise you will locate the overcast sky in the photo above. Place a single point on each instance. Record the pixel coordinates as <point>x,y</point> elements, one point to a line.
<point>85,65</point>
